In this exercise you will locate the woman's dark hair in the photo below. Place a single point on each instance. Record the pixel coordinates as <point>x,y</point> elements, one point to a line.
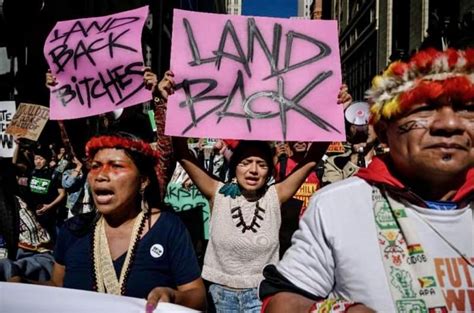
<point>251,148</point>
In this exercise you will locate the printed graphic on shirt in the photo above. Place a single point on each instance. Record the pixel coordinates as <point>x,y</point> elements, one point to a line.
<point>455,277</point>
<point>402,280</point>
<point>384,216</point>
<point>39,185</point>
<point>392,242</point>
<point>157,250</point>
<point>411,305</point>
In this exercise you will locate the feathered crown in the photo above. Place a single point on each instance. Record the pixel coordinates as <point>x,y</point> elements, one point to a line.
<point>429,75</point>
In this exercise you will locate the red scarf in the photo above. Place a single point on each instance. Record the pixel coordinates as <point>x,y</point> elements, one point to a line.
<point>379,172</point>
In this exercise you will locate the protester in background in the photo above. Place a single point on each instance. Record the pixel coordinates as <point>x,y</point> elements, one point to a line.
<point>8,211</point>
<point>74,182</point>
<point>46,195</point>
<point>23,161</point>
<point>63,159</point>
<point>133,247</point>
<point>287,157</point>
<point>25,247</point>
<point>358,154</point>
<point>358,150</point>
<point>245,216</point>
<point>33,261</point>
<point>387,238</point>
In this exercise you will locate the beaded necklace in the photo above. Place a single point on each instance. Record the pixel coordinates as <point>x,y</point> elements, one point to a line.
<point>253,226</point>
<point>104,275</point>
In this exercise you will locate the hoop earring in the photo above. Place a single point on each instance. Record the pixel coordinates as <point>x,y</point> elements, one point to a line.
<point>231,189</point>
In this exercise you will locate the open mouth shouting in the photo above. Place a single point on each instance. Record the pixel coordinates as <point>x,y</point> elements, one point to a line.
<point>103,195</point>
<point>252,181</point>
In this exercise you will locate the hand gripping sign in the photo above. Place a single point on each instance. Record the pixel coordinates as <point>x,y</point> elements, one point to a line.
<point>98,64</point>
<point>254,78</point>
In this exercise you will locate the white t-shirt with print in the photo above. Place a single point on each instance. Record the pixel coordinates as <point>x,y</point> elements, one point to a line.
<point>335,252</point>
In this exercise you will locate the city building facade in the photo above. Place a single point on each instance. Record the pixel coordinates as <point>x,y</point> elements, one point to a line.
<point>374,32</point>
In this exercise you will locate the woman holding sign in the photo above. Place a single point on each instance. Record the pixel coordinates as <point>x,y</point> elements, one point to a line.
<point>245,215</point>
<point>132,246</point>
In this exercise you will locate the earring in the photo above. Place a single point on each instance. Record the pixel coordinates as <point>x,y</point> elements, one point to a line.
<point>231,189</point>
<point>144,204</point>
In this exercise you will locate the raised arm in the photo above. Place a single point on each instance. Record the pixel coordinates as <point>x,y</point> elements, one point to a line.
<point>288,187</point>
<point>166,162</point>
<point>200,177</point>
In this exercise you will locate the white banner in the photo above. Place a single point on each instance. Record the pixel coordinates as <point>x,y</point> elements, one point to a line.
<point>24,298</point>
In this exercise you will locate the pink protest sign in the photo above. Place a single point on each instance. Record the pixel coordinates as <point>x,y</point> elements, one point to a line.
<point>98,64</point>
<point>258,78</point>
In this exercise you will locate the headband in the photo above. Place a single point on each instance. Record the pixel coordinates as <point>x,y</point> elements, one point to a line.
<point>104,142</point>
<point>428,76</point>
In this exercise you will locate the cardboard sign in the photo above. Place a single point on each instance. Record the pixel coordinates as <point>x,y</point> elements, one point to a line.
<point>305,192</point>
<point>336,147</point>
<point>29,121</point>
<point>98,64</point>
<point>258,78</point>
<point>7,111</point>
<point>182,199</point>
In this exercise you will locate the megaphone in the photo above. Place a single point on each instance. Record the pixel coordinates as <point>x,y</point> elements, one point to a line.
<point>357,113</point>
<point>117,113</point>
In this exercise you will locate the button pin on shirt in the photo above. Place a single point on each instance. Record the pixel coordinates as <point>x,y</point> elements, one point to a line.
<point>156,250</point>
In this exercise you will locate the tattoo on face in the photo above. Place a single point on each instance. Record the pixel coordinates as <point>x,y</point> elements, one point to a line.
<point>412,125</point>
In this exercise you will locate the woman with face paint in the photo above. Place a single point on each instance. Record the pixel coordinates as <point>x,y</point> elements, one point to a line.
<point>133,247</point>
<point>245,215</point>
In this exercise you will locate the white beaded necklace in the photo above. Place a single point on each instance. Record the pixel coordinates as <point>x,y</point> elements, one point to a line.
<point>105,276</point>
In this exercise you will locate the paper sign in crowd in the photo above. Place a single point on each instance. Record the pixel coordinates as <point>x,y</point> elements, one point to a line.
<point>7,143</point>
<point>28,121</point>
<point>254,78</point>
<point>98,64</point>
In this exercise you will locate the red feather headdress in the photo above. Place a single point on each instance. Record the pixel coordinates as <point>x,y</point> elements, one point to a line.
<point>428,76</point>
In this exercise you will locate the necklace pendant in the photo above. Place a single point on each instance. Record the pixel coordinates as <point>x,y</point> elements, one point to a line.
<point>237,214</point>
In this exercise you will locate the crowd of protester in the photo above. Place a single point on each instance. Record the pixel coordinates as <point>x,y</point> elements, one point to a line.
<point>60,210</point>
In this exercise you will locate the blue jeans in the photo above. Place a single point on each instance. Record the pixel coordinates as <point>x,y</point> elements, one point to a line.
<point>229,300</point>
